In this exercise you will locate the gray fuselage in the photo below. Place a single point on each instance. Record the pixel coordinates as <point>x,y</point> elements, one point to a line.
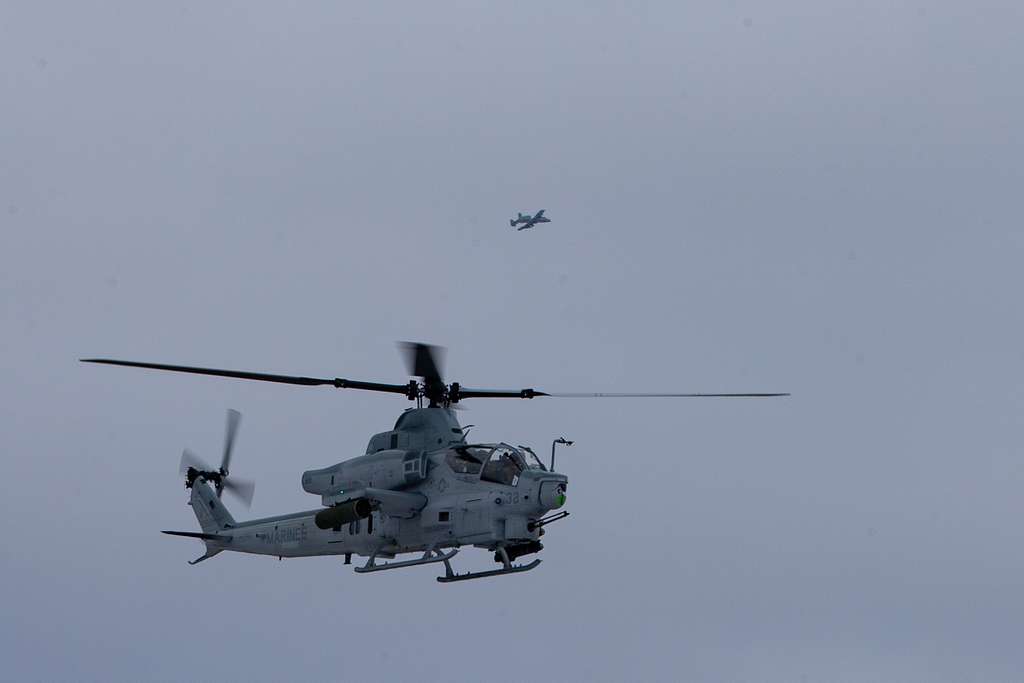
<point>482,495</point>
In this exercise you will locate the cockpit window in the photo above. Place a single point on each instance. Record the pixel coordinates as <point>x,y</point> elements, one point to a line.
<point>501,463</point>
<point>504,466</point>
<point>532,461</point>
<point>467,460</point>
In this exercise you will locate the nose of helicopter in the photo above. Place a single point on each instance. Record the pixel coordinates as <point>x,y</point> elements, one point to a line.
<point>552,493</point>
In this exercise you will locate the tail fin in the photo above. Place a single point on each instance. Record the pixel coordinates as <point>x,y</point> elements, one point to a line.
<point>210,512</point>
<point>512,222</point>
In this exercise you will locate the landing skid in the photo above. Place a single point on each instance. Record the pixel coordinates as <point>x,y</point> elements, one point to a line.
<point>508,568</point>
<point>431,556</point>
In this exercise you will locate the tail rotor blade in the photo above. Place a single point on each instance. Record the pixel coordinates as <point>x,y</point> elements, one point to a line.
<point>190,459</point>
<point>234,418</point>
<point>242,489</point>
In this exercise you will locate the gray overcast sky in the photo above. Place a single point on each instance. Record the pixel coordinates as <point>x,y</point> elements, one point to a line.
<point>816,197</point>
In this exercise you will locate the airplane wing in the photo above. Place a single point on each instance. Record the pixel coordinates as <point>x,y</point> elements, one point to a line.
<point>538,216</point>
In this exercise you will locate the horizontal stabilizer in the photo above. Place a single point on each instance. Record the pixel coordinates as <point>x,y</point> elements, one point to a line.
<point>196,534</point>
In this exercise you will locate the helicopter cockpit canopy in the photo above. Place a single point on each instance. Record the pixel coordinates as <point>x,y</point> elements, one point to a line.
<point>497,463</point>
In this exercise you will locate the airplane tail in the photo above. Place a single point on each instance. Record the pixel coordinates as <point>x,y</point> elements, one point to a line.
<point>512,222</point>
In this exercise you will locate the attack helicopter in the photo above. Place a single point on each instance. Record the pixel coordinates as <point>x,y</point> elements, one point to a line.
<point>420,487</point>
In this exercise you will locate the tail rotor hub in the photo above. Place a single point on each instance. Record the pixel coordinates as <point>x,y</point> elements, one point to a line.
<point>195,469</point>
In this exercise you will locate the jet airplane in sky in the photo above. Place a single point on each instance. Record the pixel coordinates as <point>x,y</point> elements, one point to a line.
<point>525,221</point>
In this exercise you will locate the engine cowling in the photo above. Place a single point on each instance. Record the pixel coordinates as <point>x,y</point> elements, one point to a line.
<point>391,469</point>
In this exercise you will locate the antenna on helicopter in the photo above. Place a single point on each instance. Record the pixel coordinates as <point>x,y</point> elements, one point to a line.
<point>560,440</point>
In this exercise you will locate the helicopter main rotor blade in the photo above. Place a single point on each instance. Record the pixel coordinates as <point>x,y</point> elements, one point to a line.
<point>337,382</point>
<point>499,393</point>
<point>628,395</point>
<point>424,360</point>
<point>531,393</point>
<point>234,417</point>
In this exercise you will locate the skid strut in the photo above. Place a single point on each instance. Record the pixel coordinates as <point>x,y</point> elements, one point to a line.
<point>430,556</point>
<point>508,568</point>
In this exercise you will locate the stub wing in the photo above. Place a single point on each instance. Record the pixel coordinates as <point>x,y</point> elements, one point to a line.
<point>402,504</point>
